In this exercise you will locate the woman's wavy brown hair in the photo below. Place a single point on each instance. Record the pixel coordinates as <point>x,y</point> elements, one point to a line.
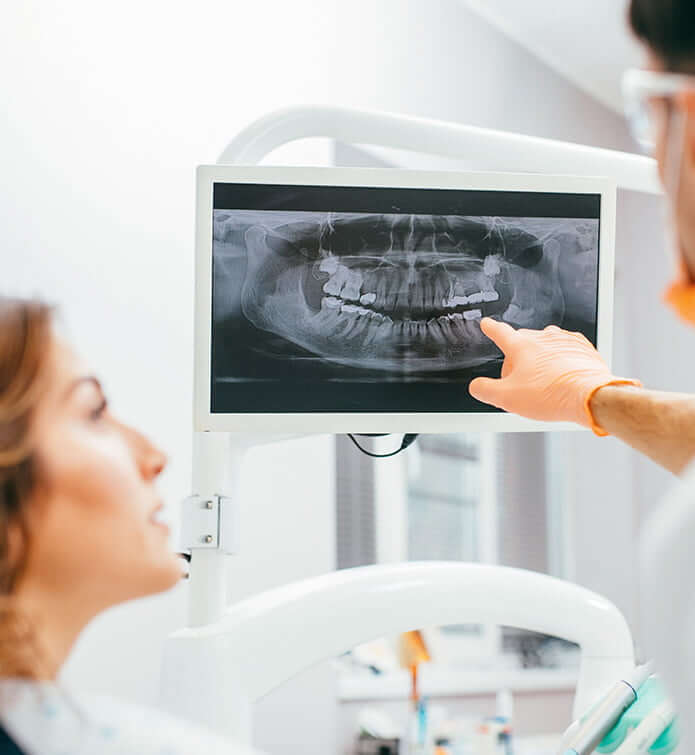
<point>26,332</point>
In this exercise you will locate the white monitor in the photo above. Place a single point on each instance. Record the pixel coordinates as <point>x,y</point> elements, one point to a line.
<point>348,300</point>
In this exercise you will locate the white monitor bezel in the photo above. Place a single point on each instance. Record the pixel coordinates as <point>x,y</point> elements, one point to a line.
<point>387,422</point>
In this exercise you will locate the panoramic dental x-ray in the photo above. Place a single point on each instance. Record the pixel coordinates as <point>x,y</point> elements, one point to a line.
<point>314,303</point>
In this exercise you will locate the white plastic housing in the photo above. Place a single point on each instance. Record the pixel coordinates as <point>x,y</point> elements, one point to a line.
<point>214,673</point>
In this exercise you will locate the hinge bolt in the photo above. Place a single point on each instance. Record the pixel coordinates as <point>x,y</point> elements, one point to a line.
<point>207,539</point>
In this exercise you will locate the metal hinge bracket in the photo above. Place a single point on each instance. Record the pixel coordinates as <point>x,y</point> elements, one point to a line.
<point>209,522</point>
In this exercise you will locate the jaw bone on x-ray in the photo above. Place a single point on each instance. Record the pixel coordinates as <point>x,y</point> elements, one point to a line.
<point>401,294</point>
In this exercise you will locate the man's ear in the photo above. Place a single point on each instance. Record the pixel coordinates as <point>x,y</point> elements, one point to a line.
<point>686,102</point>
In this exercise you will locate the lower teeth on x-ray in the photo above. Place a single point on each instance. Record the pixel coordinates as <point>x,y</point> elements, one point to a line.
<point>389,297</point>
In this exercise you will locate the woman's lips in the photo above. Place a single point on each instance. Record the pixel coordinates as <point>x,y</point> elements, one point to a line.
<point>157,520</point>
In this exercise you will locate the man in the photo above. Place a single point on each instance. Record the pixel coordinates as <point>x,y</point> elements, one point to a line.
<point>556,375</point>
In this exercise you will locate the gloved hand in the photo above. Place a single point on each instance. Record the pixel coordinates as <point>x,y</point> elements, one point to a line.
<point>649,695</point>
<point>549,374</point>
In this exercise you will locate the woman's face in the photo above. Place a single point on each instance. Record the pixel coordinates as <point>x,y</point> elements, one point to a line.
<point>92,519</point>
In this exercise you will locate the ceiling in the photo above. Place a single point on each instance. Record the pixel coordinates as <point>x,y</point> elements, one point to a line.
<point>586,41</point>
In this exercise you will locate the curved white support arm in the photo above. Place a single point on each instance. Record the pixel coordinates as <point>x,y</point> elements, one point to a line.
<point>483,148</point>
<point>266,639</point>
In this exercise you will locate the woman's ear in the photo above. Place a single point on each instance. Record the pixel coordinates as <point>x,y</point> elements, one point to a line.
<point>16,543</point>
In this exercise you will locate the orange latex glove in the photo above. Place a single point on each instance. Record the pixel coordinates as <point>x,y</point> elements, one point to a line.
<point>548,375</point>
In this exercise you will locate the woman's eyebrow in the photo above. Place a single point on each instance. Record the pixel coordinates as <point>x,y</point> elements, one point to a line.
<point>80,381</point>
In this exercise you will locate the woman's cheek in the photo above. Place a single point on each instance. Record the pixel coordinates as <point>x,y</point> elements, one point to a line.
<point>98,470</point>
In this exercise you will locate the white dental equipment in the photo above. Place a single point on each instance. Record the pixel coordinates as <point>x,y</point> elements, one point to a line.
<point>213,674</point>
<point>583,737</point>
<point>648,731</point>
<point>227,658</point>
<point>481,148</point>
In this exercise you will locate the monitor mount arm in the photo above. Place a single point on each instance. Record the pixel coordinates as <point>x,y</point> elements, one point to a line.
<point>481,148</point>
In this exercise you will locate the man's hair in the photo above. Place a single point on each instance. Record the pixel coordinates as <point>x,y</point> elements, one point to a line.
<point>668,28</point>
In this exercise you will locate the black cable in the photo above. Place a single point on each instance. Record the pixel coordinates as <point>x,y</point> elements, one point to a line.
<point>408,440</point>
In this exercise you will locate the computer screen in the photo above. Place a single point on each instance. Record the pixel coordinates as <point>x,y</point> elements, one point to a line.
<point>368,299</point>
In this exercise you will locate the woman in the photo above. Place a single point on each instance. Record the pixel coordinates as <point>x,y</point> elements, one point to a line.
<point>79,532</point>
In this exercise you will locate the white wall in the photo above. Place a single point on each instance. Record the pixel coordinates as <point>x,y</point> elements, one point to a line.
<point>105,111</point>
<point>104,114</point>
<point>613,486</point>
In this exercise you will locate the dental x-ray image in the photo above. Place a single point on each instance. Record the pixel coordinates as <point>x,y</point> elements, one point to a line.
<point>335,310</point>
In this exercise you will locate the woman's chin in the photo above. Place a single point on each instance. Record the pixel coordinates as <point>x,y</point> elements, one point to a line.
<point>172,573</point>
<point>161,575</point>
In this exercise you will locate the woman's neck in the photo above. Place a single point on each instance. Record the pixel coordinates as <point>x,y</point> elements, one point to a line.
<point>55,622</point>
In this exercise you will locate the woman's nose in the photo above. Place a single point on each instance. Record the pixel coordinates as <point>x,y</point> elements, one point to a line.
<point>156,461</point>
<point>151,460</point>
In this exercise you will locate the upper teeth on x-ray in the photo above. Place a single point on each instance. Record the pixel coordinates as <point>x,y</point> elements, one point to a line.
<point>404,293</point>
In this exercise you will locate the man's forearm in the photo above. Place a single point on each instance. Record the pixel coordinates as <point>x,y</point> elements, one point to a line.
<point>658,424</point>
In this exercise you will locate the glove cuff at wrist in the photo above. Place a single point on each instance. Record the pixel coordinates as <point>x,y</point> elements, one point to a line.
<point>593,424</point>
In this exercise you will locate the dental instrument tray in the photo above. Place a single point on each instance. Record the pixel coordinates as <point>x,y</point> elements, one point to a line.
<point>349,300</point>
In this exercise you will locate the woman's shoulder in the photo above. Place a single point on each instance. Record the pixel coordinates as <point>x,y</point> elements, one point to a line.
<point>152,723</point>
<point>47,719</point>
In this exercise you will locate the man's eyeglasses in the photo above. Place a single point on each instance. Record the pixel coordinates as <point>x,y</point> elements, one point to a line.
<point>648,98</point>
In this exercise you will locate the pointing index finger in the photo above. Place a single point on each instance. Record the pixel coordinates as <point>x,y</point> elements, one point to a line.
<point>501,333</point>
